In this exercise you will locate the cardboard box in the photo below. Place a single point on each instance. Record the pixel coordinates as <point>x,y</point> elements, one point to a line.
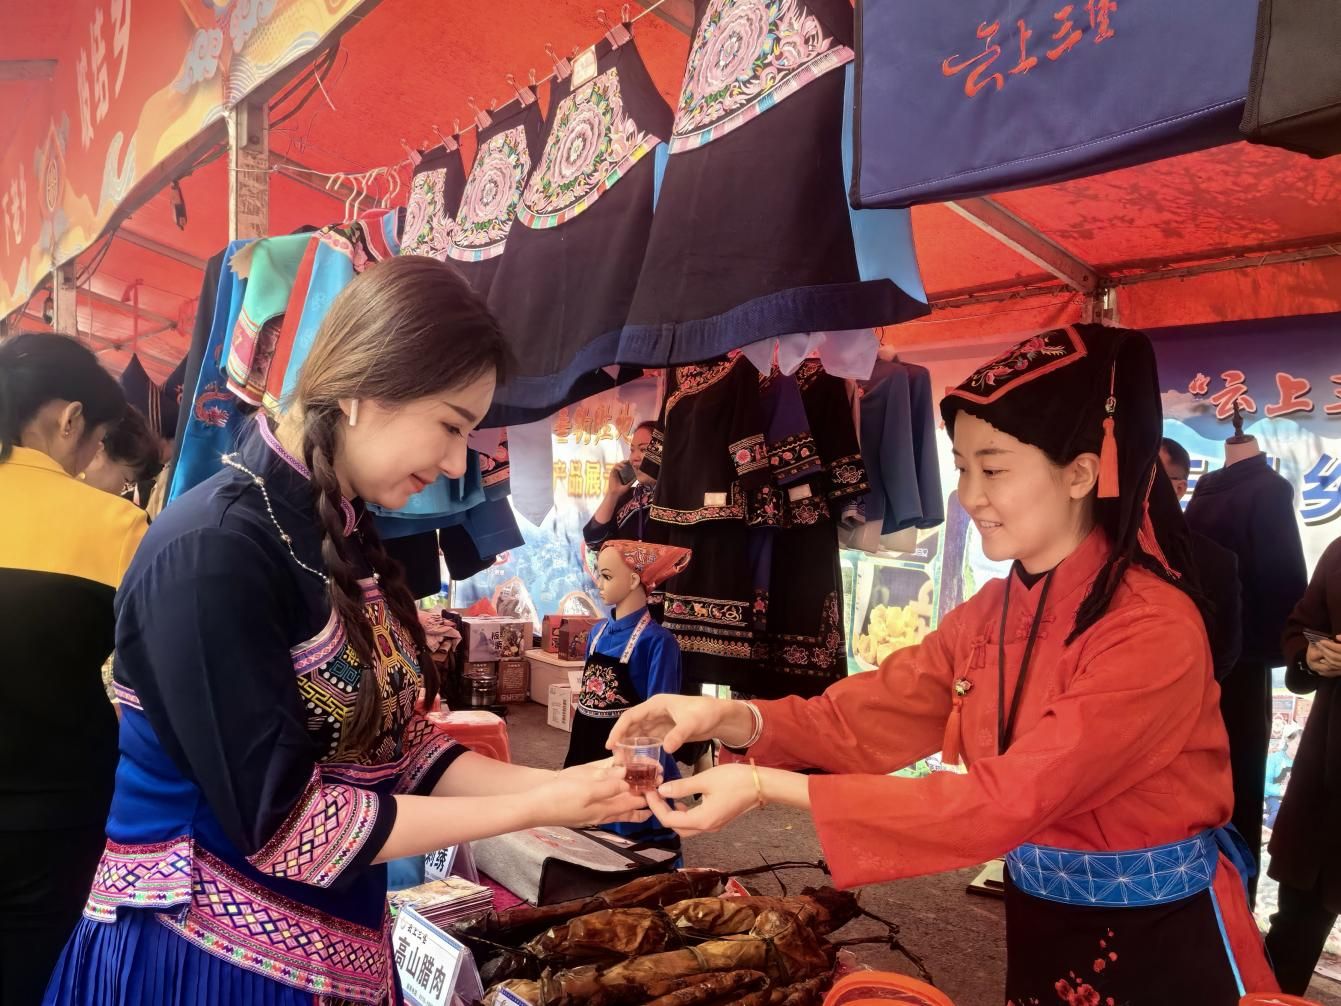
<point>514,680</point>
<point>561,707</point>
<point>573,633</point>
<point>549,633</point>
<point>548,669</point>
<point>496,637</point>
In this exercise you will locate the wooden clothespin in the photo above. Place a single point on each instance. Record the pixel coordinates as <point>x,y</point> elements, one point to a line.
<point>524,94</point>
<point>562,67</point>
<point>447,144</point>
<point>482,118</point>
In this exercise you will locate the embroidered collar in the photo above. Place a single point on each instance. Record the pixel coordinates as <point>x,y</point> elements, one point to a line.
<point>279,451</point>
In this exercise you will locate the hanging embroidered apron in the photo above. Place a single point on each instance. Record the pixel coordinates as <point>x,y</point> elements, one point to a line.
<point>607,691</point>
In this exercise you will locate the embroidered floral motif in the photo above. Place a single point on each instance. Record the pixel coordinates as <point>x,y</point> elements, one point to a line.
<point>1021,364</point>
<point>428,225</point>
<point>793,458</point>
<point>708,610</point>
<point>241,922</point>
<point>140,876</point>
<point>696,378</point>
<point>847,477</point>
<point>748,455</point>
<point>322,834</point>
<point>733,510</point>
<point>748,55</point>
<point>600,688</point>
<point>592,144</point>
<point>492,194</point>
<point>820,655</point>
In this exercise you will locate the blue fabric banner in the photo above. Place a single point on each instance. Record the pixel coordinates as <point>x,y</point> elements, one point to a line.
<point>961,98</point>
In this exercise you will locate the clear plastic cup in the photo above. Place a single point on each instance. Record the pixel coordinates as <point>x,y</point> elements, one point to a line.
<point>640,758</point>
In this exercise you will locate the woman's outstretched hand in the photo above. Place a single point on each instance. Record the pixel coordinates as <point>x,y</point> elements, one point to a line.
<point>587,795</point>
<point>682,719</point>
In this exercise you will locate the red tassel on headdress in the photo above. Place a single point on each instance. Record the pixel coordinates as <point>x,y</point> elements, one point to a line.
<point>1145,535</point>
<point>1108,455</point>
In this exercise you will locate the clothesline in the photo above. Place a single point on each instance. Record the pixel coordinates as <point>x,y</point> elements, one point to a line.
<point>387,170</point>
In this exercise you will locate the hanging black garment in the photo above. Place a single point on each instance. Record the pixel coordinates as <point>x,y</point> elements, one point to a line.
<point>752,237</point>
<point>507,150</point>
<point>563,290</point>
<point>435,198</point>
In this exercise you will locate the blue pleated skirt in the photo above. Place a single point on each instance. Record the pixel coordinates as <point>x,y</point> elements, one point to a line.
<point>138,961</point>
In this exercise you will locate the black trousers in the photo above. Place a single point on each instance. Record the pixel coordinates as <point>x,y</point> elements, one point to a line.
<point>1298,933</point>
<point>43,888</point>
<point>1245,704</point>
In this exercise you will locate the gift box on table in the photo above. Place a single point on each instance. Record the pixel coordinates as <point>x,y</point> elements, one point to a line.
<point>496,637</point>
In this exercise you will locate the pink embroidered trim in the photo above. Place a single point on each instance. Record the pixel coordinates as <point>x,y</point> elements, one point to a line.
<point>127,697</point>
<point>424,744</point>
<point>140,876</point>
<point>251,927</point>
<point>301,469</point>
<point>323,834</point>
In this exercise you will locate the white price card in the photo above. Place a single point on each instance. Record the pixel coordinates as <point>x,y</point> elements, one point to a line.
<point>438,865</point>
<point>428,960</point>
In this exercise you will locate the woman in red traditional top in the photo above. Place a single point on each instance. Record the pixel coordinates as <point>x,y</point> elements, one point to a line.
<point>1079,691</point>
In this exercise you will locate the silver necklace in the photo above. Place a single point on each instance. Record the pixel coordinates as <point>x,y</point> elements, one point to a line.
<point>232,462</point>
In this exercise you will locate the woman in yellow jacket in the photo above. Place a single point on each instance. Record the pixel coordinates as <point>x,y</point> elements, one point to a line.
<point>64,546</point>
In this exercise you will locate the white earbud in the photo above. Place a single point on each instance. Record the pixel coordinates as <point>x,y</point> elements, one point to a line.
<point>354,413</point>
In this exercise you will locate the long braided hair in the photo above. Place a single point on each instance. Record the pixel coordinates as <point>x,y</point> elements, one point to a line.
<point>406,328</point>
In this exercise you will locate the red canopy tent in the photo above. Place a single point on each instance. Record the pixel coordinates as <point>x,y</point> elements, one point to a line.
<point>1233,233</point>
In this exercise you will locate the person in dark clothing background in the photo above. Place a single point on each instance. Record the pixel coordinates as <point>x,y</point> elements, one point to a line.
<point>130,454</point>
<point>1306,840</point>
<point>1248,508</point>
<point>64,547</point>
<point>1217,569</point>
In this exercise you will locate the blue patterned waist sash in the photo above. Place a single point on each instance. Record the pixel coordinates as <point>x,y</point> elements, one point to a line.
<point>1130,879</point>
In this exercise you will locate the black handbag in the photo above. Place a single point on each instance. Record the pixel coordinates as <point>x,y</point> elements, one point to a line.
<point>1294,98</point>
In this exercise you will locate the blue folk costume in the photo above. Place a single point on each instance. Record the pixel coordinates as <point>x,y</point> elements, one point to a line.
<point>629,660</point>
<point>241,839</point>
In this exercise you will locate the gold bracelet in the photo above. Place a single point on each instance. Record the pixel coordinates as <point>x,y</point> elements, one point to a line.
<point>758,785</point>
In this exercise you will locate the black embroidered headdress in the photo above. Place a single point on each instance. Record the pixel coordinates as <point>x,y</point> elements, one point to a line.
<point>1083,389</point>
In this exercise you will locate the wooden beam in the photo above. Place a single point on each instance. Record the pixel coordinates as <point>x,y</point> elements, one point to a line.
<point>991,217</point>
<point>249,170</point>
<point>27,69</point>
<point>159,248</point>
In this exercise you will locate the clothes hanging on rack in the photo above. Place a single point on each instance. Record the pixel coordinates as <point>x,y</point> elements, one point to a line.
<point>436,186</point>
<point>709,463</point>
<point>756,163</point>
<point>216,415</point>
<point>270,267</point>
<point>503,160</point>
<point>898,447</point>
<point>563,290</point>
<point>343,251</point>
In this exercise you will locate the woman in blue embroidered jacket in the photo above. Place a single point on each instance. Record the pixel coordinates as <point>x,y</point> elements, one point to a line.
<point>268,663</point>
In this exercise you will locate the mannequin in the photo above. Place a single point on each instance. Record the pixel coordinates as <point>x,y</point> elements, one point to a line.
<point>630,657</point>
<point>1240,447</point>
<point>1249,509</point>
